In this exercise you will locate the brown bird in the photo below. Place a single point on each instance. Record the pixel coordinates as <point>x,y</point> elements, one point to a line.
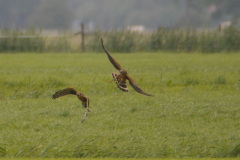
<point>123,76</point>
<point>80,96</point>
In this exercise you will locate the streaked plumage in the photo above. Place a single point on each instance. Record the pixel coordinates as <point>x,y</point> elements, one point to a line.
<point>122,85</point>
<point>121,77</point>
<point>80,96</point>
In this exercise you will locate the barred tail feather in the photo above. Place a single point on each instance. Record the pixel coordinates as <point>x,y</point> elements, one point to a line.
<point>123,87</point>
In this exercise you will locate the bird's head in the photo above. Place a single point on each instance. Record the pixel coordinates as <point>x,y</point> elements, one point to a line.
<point>123,71</point>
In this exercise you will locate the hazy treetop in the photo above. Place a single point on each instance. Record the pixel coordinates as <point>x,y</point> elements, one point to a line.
<point>107,14</point>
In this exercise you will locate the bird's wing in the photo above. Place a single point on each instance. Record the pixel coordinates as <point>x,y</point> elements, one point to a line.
<point>85,101</point>
<point>64,92</point>
<point>121,83</point>
<point>87,110</point>
<point>135,86</point>
<point>113,61</point>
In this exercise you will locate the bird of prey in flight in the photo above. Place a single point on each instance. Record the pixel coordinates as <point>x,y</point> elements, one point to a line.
<point>80,96</point>
<point>121,77</point>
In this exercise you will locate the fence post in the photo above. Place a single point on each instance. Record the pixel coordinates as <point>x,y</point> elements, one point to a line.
<point>82,34</point>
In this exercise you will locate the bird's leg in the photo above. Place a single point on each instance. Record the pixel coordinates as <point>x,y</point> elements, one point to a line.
<point>118,82</point>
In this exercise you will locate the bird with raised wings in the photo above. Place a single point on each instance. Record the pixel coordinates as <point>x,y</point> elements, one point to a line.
<point>123,76</point>
<point>80,96</point>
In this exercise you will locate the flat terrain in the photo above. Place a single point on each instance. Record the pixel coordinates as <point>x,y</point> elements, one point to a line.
<point>195,111</point>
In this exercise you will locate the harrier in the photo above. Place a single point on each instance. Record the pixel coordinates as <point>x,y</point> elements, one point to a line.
<point>80,96</point>
<point>121,77</point>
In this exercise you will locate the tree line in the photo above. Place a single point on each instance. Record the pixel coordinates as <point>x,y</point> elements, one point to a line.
<point>107,14</point>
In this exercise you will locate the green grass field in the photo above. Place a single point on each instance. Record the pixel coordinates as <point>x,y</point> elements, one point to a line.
<point>195,111</point>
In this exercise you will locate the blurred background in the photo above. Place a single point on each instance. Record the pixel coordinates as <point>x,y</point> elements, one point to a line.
<point>108,14</point>
<point>26,19</point>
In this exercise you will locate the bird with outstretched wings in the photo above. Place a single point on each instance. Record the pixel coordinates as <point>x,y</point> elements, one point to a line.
<point>80,96</point>
<point>123,76</point>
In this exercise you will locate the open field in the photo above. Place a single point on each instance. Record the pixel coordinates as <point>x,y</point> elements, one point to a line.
<point>195,111</point>
<point>125,158</point>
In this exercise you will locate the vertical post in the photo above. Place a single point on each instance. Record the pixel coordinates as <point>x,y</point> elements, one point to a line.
<point>82,34</point>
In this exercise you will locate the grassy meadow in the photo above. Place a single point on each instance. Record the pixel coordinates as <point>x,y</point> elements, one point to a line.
<point>195,110</point>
